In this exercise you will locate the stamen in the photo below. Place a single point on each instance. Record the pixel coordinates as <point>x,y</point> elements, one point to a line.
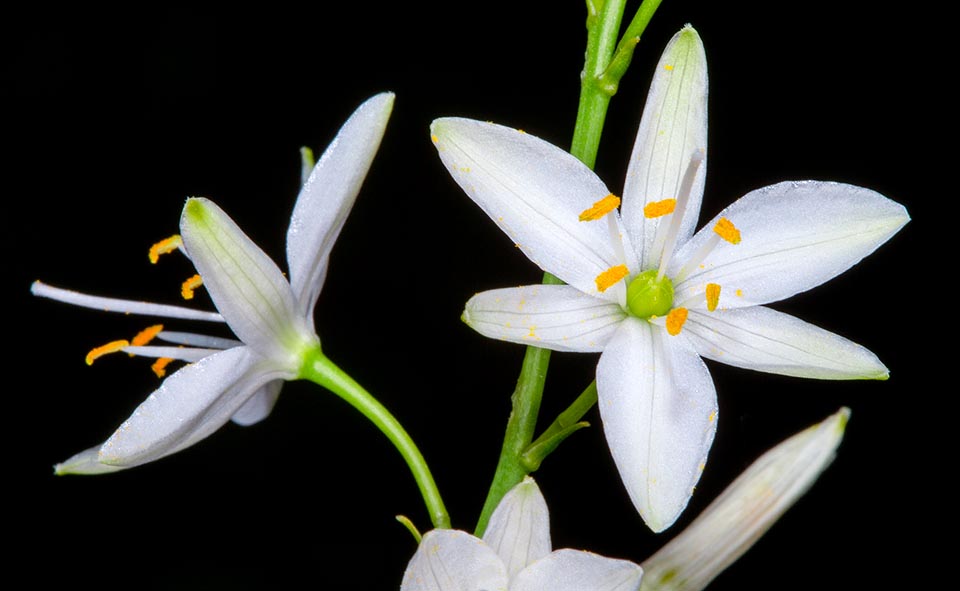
<point>683,197</point>
<point>713,296</point>
<point>159,366</point>
<point>726,230</point>
<point>146,335</point>
<point>165,246</point>
<point>186,290</point>
<point>600,208</point>
<point>611,276</point>
<point>675,320</point>
<point>656,209</point>
<point>111,347</point>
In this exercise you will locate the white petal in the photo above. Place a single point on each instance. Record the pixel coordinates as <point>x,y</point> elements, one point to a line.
<point>328,195</point>
<point>519,529</point>
<point>558,317</point>
<point>259,406</point>
<point>86,462</point>
<point>573,570</point>
<point>452,560</point>
<point>659,411</point>
<point>246,286</point>
<point>197,340</point>
<point>188,354</point>
<point>672,129</point>
<point>535,192</point>
<point>794,236</point>
<point>766,340</point>
<point>192,403</point>
<point>103,304</point>
<point>745,510</point>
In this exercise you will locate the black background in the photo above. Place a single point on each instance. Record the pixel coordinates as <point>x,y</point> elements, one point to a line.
<point>112,118</point>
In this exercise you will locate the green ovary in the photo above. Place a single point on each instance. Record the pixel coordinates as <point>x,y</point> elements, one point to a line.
<point>648,297</point>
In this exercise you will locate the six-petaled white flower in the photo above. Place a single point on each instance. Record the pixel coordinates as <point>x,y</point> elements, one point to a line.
<point>648,293</point>
<point>515,554</point>
<point>271,317</point>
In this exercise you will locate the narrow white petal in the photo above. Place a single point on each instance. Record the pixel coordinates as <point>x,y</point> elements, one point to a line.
<point>745,510</point>
<point>574,570</point>
<point>659,411</point>
<point>535,192</point>
<point>192,403</point>
<point>188,354</point>
<point>557,317</point>
<point>452,560</point>
<point>104,304</point>
<point>246,286</point>
<point>766,340</point>
<point>86,462</point>
<point>197,340</point>
<point>794,236</point>
<point>519,529</point>
<point>672,129</point>
<point>328,195</point>
<point>259,406</point>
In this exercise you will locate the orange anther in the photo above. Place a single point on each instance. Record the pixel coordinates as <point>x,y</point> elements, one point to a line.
<point>186,290</point>
<point>675,320</point>
<point>656,209</point>
<point>146,335</point>
<point>164,246</point>
<point>111,347</point>
<point>600,208</point>
<point>713,296</point>
<point>159,366</point>
<point>610,276</point>
<point>727,231</point>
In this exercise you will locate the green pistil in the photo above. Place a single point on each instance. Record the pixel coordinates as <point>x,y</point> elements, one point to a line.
<point>648,297</point>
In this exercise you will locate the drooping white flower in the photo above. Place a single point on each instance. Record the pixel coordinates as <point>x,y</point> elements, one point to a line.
<point>648,293</point>
<point>515,554</point>
<point>271,316</point>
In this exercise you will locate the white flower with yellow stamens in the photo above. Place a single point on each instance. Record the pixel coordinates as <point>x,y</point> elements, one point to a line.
<point>272,318</point>
<point>646,291</point>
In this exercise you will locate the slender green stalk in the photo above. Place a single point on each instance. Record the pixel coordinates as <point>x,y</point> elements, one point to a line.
<point>320,370</point>
<point>598,84</point>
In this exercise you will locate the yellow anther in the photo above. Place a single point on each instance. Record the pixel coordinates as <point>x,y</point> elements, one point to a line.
<point>146,335</point>
<point>600,208</point>
<point>164,246</point>
<point>159,366</point>
<point>610,276</point>
<point>111,347</point>
<point>713,296</point>
<point>675,320</point>
<point>656,209</point>
<point>727,231</point>
<point>186,290</point>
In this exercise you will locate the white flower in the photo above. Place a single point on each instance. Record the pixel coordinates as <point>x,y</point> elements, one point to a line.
<point>646,291</point>
<point>272,318</point>
<point>515,554</point>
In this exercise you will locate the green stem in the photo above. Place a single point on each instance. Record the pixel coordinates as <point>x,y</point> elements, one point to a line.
<point>603,24</point>
<point>320,370</point>
<point>569,417</point>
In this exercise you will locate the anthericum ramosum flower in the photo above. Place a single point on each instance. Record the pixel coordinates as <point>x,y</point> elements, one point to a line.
<point>645,291</point>
<point>514,554</point>
<point>745,510</point>
<point>271,317</point>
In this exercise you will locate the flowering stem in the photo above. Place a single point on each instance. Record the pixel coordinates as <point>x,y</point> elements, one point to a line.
<point>320,370</point>
<point>605,63</point>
